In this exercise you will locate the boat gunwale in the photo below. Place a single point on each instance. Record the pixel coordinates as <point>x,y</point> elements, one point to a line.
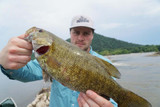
<point>8,98</point>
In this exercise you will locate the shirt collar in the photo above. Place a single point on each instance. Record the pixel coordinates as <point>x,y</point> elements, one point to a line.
<point>90,50</point>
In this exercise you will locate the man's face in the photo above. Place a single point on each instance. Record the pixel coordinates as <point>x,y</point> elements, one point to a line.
<point>82,37</point>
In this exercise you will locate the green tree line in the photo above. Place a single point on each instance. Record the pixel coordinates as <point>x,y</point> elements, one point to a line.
<point>146,48</point>
<point>111,46</point>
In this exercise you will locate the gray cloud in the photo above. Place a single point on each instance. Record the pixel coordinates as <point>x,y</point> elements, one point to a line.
<point>116,18</point>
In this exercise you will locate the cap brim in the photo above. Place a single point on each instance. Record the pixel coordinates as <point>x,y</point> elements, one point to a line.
<point>81,26</point>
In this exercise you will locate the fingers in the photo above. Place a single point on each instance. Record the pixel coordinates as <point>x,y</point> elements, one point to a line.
<point>24,44</point>
<point>20,43</point>
<point>16,65</point>
<point>20,51</point>
<point>81,101</point>
<point>102,102</point>
<point>22,36</point>
<point>15,61</point>
<point>19,59</point>
<point>88,101</point>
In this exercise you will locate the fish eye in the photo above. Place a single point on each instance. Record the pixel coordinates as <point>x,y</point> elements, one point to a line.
<point>40,30</point>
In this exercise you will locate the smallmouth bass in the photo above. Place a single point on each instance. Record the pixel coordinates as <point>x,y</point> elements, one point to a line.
<point>79,70</point>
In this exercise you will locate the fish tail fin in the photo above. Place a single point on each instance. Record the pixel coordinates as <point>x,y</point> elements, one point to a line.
<point>131,99</point>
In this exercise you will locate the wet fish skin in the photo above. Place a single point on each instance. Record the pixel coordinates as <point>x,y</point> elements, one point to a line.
<point>79,70</point>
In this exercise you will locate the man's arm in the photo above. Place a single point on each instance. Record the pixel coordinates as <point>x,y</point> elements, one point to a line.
<point>16,54</point>
<point>30,72</point>
<point>14,57</point>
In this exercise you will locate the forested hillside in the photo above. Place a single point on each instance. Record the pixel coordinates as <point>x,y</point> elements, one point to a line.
<point>101,43</point>
<point>107,46</point>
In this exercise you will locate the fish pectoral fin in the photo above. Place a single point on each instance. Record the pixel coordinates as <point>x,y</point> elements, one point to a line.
<point>46,76</point>
<point>53,63</point>
<point>111,69</point>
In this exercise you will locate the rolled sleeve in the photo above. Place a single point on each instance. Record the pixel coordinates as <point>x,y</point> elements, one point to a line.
<point>30,72</point>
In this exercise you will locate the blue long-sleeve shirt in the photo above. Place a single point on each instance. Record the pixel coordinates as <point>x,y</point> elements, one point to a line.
<point>61,96</point>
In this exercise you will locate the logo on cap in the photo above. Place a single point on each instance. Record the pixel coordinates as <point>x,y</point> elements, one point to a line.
<point>82,19</point>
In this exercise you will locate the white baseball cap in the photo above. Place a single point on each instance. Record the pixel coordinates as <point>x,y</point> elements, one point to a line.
<point>82,21</point>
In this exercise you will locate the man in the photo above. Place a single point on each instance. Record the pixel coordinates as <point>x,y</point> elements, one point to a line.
<point>16,63</point>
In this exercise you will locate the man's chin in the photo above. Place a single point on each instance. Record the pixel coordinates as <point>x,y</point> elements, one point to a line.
<point>82,47</point>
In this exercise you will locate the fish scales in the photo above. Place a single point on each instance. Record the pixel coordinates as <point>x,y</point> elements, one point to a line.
<point>79,70</point>
<point>76,65</point>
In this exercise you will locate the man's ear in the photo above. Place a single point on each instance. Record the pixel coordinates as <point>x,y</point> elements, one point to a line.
<point>92,36</point>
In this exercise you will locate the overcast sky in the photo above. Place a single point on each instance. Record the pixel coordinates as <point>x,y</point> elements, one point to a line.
<point>135,21</point>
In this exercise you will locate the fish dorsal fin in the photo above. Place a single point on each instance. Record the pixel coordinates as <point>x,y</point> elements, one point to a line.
<point>111,69</point>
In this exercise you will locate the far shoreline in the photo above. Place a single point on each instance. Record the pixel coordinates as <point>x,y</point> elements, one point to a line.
<point>152,54</point>
<point>148,54</point>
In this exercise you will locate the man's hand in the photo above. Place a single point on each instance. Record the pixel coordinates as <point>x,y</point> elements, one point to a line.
<point>91,99</point>
<point>16,53</point>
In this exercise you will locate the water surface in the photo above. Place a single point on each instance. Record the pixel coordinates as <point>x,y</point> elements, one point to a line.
<point>22,93</point>
<point>140,73</point>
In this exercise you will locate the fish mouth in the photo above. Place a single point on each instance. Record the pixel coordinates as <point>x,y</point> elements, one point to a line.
<point>42,50</point>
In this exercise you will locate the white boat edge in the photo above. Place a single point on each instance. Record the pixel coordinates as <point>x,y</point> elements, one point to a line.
<point>11,99</point>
